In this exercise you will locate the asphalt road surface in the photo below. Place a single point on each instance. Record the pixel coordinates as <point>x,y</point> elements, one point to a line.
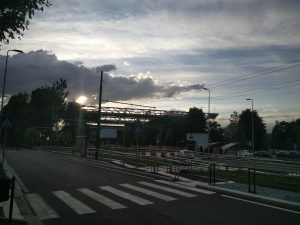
<point>64,192</point>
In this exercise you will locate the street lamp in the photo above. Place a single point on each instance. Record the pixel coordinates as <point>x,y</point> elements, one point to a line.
<point>2,97</point>
<point>208,114</point>
<point>250,99</point>
<point>4,78</point>
<point>208,100</point>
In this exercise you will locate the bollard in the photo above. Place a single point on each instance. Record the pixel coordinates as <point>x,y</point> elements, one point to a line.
<point>12,195</point>
<point>96,154</point>
<point>214,173</point>
<point>253,180</point>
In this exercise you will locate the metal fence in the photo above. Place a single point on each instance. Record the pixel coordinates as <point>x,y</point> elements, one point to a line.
<point>209,168</point>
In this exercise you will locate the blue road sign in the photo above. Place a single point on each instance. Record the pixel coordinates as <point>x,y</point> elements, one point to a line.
<point>6,122</point>
<point>138,128</point>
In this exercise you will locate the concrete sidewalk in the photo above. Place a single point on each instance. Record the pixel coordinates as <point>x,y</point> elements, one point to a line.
<point>265,191</point>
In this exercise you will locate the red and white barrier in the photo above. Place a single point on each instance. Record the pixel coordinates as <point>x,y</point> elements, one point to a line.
<point>160,154</point>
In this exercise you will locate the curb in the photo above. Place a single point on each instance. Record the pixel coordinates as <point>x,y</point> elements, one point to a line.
<point>20,189</point>
<point>251,196</point>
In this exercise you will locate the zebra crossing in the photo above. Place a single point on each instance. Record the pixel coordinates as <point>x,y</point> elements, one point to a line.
<point>157,189</point>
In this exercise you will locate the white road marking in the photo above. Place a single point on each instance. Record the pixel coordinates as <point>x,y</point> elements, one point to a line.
<point>73,203</point>
<point>182,193</point>
<point>102,199</point>
<point>123,194</point>
<point>262,204</point>
<point>40,207</point>
<point>186,187</point>
<point>149,192</point>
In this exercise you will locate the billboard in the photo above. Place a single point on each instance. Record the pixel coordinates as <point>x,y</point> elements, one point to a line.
<point>110,133</point>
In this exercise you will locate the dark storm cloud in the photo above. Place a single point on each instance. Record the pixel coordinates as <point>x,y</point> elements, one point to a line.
<point>34,69</point>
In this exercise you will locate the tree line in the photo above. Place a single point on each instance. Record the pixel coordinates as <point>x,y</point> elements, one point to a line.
<point>45,117</point>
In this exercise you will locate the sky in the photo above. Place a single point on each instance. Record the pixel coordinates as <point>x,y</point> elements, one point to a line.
<point>163,53</point>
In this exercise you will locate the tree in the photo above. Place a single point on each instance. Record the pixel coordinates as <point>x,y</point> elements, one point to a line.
<point>19,109</point>
<point>72,117</point>
<point>245,129</point>
<point>216,133</point>
<point>286,134</point>
<point>31,137</point>
<point>196,121</point>
<point>169,137</point>
<point>231,131</point>
<point>15,16</point>
<point>280,134</point>
<point>49,103</point>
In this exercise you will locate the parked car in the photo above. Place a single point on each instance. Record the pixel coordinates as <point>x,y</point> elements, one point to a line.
<point>187,154</point>
<point>244,153</point>
<point>282,154</point>
<point>262,154</point>
<point>287,154</point>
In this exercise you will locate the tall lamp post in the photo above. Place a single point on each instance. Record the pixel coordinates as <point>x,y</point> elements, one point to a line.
<point>4,78</point>
<point>208,114</point>
<point>3,91</point>
<point>250,99</point>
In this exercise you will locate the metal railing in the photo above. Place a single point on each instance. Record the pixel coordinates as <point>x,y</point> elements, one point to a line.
<point>213,169</point>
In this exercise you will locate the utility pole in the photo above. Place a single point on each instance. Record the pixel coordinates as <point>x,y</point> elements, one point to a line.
<point>99,113</point>
<point>252,132</point>
<point>208,118</point>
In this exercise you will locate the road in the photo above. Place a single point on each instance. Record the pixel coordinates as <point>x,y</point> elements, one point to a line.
<point>64,192</point>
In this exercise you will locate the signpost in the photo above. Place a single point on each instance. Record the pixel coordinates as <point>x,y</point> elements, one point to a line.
<point>5,122</point>
<point>137,129</point>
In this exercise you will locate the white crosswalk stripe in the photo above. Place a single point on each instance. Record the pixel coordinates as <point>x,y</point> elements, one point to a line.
<point>102,199</point>
<point>40,207</point>
<point>149,192</point>
<point>73,203</point>
<point>44,211</point>
<point>16,212</point>
<point>186,187</point>
<point>171,190</point>
<point>128,196</point>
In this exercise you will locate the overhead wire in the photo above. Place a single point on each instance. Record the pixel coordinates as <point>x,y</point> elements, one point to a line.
<point>236,79</point>
<point>254,89</point>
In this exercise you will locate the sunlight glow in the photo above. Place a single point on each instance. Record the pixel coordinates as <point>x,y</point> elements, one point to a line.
<point>81,99</point>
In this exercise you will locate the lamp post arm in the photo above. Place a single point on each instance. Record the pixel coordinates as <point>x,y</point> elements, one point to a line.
<point>4,81</point>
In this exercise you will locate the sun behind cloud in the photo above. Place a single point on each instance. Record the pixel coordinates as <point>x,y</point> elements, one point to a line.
<point>81,99</point>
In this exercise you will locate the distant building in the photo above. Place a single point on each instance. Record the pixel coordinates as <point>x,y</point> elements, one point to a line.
<point>196,141</point>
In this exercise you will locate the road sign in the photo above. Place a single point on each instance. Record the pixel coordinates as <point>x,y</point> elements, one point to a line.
<point>110,133</point>
<point>6,122</point>
<point>138,128</point>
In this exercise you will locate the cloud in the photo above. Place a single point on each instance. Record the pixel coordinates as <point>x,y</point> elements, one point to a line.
<point>34,69</point>
<point>106,68</point>
<point>119,29</point>
<point>125,63</point>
